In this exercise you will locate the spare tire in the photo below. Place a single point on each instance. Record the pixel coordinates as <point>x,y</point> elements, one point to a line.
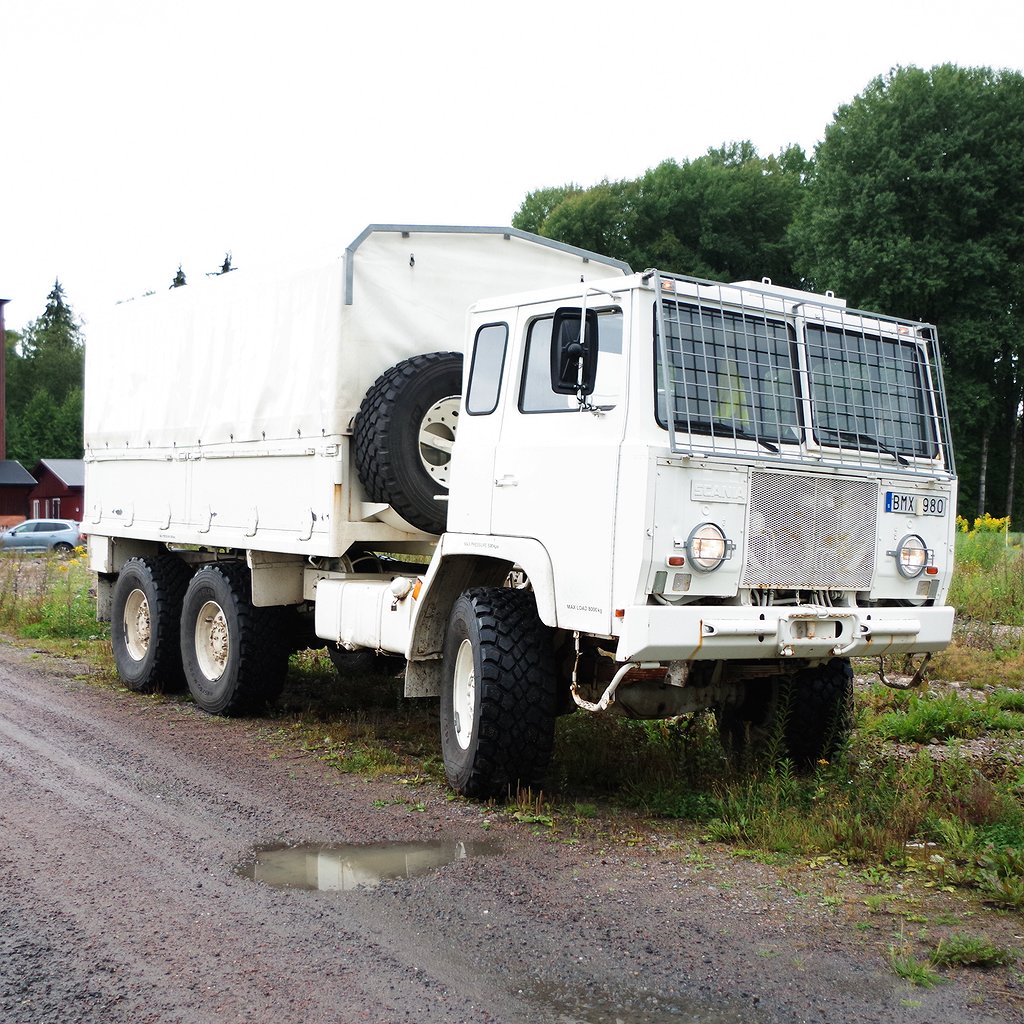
<point>403,437</point>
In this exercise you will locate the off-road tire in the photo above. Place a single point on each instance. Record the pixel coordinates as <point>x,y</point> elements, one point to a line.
<point>805,717</point>
<point>144,620</point>
<point>387,435</point>
<point>511,701</point>
<point>233,654</point>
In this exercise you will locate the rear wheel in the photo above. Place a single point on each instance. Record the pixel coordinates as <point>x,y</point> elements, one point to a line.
<point>820,716</point>
<point>234,655</point>
<point>144,623</point>
<point>499,697</point>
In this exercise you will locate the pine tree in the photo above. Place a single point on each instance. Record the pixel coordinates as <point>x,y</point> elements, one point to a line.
<point>45,370</point>
<point>56,330</point>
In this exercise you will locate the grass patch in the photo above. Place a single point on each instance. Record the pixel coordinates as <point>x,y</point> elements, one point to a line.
<point>46,597</point>
<point>988,584</point>
<point>960,950</point>
<point>918,972</point>
<point>910,717</point>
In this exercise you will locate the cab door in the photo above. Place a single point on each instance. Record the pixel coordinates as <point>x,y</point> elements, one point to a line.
<point>556,464</point>
<point>479,426</point>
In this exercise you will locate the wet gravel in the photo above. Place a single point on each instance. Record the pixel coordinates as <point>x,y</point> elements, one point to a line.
<point>123,820</point>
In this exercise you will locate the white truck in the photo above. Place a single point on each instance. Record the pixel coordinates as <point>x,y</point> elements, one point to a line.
<point>629,492</point>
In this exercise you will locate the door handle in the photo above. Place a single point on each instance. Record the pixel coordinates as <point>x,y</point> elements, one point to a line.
<point>506,481</point>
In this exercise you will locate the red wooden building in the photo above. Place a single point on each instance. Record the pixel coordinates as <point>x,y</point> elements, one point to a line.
<point>16,483</point>
<point>59,491</point>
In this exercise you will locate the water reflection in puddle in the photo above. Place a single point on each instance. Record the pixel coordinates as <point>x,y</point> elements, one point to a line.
<point>341,867</point>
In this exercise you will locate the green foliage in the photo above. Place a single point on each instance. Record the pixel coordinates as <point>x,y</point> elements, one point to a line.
<point>1002,834</point>
<point>538,205</point>
<point>921,717</point>
<point>988,584</point>
<point>46,597</point>
<point>959,950</point>
<point>723,215</point>
<point>45,376</point>
<point>917,972</point>
<point>1001,876</point>
<point>914,207</point>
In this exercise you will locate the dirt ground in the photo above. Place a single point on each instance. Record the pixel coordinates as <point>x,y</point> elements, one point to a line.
<point>124,820</point>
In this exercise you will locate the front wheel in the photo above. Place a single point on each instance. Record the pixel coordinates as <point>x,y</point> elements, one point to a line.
<point>499,697</point>
<point>234,655</point>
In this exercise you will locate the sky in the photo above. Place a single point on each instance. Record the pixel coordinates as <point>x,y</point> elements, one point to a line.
<point>139,135</point>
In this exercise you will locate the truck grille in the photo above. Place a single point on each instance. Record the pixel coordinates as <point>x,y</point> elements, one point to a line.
<point>810,533</point>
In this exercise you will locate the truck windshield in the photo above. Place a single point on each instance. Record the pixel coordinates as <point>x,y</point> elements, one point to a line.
<point>868,390</point>
<point>738,376</point>
<point>730,375</point>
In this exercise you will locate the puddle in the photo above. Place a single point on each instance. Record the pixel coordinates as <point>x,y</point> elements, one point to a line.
<point>595,1007</point>
<point>340,868</point>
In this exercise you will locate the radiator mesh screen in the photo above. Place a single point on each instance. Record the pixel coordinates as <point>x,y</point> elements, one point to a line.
<point>810,533</point>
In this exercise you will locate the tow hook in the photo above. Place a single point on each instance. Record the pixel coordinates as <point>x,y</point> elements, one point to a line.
<point>905,682</point>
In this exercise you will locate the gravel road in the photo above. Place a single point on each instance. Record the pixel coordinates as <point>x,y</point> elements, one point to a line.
<point>123,822</point>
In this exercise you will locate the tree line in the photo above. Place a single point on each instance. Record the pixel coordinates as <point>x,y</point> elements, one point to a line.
<point>912,204</point>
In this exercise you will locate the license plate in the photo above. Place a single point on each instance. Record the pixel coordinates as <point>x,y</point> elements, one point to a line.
<point>915,504</point>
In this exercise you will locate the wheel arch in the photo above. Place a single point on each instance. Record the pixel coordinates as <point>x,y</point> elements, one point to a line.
<point>456,568</point>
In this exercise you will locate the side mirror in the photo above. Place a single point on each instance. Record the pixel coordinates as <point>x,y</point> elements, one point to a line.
<point>573,360</point>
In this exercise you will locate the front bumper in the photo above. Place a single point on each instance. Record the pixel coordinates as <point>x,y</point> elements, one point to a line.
<point>723,632</point>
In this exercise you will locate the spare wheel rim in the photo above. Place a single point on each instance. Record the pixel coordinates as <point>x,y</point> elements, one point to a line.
<point>437,435</point>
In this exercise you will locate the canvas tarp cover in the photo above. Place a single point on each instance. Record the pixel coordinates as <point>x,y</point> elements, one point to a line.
<point>251,358</point>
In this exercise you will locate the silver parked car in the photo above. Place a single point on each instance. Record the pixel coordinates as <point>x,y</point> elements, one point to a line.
<point>59,535</point>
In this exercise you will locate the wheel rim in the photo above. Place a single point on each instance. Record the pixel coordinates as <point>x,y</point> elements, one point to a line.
<point>437,435</point>
<point>137,625</point>
<point>464,695</point>
<point>212,643</point>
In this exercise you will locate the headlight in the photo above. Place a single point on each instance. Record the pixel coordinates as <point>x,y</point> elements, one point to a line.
<point>912,556</point>
<point>706,547</point>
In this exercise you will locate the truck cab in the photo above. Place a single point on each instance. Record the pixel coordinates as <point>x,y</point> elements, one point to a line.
<point>714,492</point>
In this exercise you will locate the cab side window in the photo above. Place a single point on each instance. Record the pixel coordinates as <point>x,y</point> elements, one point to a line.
<point>536,394</point>
<point>486,369</point>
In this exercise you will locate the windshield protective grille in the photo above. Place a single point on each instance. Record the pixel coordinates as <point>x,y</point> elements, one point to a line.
<point>768,375</point>
<point>869,387</point>
<point>732,374</point>
<point>810,533</point>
